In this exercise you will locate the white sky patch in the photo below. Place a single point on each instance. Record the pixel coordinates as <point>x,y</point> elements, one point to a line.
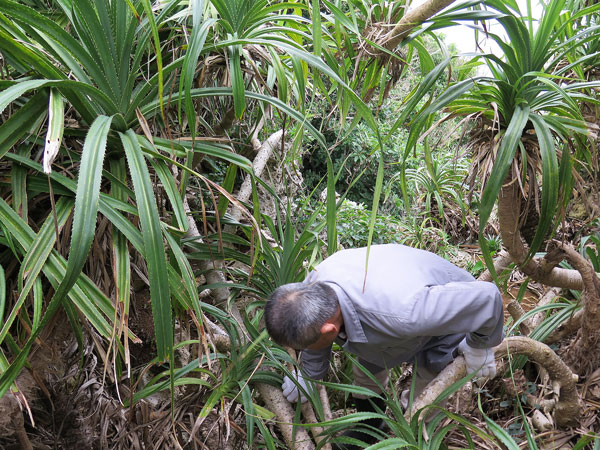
<point>463,37</point>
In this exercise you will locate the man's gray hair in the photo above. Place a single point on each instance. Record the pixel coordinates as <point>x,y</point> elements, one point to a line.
<point>295,313</point>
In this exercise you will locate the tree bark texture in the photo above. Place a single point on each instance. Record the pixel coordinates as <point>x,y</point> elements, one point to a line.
<point>567,409</point>
<point>546,299</point>
<point>516,311</point>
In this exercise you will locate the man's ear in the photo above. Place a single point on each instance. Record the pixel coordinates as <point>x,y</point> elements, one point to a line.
<point>330,330</point>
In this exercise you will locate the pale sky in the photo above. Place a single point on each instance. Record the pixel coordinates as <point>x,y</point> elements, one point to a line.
<point>464,37</point>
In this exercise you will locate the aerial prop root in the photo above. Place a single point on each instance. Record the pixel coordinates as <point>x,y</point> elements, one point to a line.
<point>567,407</point>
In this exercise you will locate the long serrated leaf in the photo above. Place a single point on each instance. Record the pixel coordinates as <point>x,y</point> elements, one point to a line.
<point>13,92</point>
<point>393,444</point>
<point>85,294</point>
<point>168,182</point>
<point>316,24</point>
<point>95,30</point>
<point>2,293</point>
<point>86,198</point>
<point>19,123</point>
<point>332,239</point>
<point>198,38</point>
<point>505,156</point>
<point>16,90</point>
<point>84,221</point>
<point>52,31</point>
<point>375,207</point>
<point>154,29</point>
<point>550,180</point>
<point>23,57</point>
<point>121,261</point>
<point>237,80</point>
<point>109,206</point>
<point>36,257</point>
<point>227,184</point>
<point>153,245</point>
<point>185,273</point>
<point>19,185</point>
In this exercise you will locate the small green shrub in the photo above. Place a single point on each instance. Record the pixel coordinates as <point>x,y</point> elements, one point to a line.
<point>353,226</point>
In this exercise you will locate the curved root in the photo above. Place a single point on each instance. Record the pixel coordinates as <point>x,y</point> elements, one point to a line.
<point>567,409</point>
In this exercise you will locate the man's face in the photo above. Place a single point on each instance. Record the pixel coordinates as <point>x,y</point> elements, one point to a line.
<point>324,341</point>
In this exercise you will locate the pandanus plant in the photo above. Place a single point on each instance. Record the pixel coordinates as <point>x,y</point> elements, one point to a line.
<point>531,136</point>
<point>77,73</point>
<point>96,78</point>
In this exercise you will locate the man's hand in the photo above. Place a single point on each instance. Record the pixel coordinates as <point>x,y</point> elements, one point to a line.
<point>479,360</point>
<point>291,391</point>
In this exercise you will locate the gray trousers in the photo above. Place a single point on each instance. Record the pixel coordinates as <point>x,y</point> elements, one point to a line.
<point>430,360</point>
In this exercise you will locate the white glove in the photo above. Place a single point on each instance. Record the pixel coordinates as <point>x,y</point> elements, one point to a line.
<point>291,391</point>
<point>479,360</point>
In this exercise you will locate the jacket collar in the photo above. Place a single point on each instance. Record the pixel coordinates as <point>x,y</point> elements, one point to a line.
<point>352,325</point>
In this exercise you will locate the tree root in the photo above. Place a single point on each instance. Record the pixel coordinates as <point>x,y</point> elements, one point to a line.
<point>582,354</point>
<point>310,417</point>
<point>295,437</point>
<point>541,270</point>
<point>264,154</point>
<point>19,424</point>
<point>527,326</point>
<point>12,421</point>
<point>567,409</point>
<point>546,299</point>
<point>500,263</point>
<point>516,311</point>
<point>307,410</point>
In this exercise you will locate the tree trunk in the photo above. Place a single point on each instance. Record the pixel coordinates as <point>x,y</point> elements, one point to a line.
<point>409,21</point>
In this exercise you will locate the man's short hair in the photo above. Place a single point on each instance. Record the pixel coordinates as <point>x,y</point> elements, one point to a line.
<point>295,313</point>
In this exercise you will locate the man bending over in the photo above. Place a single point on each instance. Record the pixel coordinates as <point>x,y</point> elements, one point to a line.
<point>413,306</point>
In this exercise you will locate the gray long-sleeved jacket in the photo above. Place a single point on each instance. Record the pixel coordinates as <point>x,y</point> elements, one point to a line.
<point>410,297</point>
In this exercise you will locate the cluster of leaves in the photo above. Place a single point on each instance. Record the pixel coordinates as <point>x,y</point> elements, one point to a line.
<point>533,91</point>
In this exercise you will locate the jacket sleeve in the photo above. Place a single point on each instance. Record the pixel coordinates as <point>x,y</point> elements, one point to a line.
<point>315,363</point>
<point>471,307</point>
